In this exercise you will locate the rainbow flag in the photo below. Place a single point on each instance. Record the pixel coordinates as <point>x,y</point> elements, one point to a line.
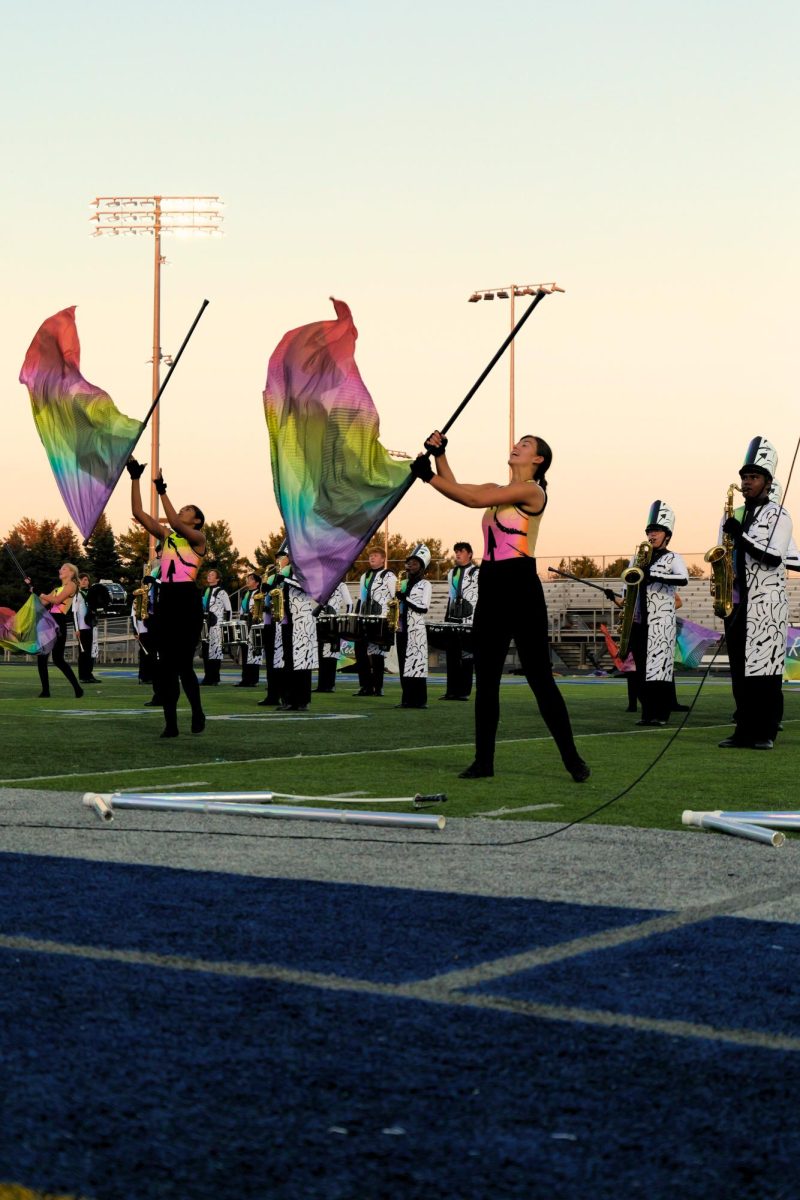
<point>693,642</point>
<point>791,666</point>
<point>334,482</point>
<point>87,439</point>
<point>32,630</point>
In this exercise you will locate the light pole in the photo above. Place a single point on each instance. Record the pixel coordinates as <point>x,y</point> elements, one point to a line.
<point>510,292</point>
<point>153,215</point>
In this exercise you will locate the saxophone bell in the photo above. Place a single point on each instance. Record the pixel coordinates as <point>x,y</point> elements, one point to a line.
<point>720,559</point>
<point>632,577</point>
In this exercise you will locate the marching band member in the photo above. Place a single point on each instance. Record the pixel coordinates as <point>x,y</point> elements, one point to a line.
<point>376,588</point>
<point>511,600</point>
<point>339,602</point>
<point>295,640</point>
<point>270,581</point>
<point>755,632</point>
<point>414,594</point>
<point>59,602</point>
<point>85,632</point>
<point>146,628</point>
<point>179,609</point>
<point>654,629</point>
<point>216,609</point>
<point>462,596</point>
<point>251,661</point>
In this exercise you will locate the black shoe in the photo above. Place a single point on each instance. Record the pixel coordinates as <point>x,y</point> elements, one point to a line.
<point>462,698</point>
<point>323,691</point>
<point>631,708</point>
<point>151,704</point>
<point>766,744</point>
<point>474,771</point>
<point>78,693</point>
<point>580,771</point>
<point>90,679</point>
<point>680,708</point>
<point>375,693</point>
<point>198,723</point>
<point>296,708</point>
<point>731,743</point>
<point>363,692</point>
<point>267,703</point>
<point>44,696</point>
<point>402,705</point>
<point>657,723</point>
<point>170,732</point>
<point>447,696</point>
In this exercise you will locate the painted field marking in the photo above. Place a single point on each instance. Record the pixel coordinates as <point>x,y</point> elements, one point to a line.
<point>294,758</point>
<point>109,713</point>
<point>435,991</point>
<point>504,812</point>
<point>170,786</point>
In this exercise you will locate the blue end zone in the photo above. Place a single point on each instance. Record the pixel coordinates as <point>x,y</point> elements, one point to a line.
<point>381,934</point>
<point>727,972</point>
<point>121,1083</point>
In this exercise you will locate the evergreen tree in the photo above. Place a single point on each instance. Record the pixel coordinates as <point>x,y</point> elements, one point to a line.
<point>133,550</point>
<point>222,554</point>
<point>265,551</point>
<point>103,561</point>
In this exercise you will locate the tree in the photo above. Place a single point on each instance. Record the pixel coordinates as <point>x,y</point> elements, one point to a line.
<point>40,547</point>
<point>696,572</point>
<point>614,569</point>
<point>103,561</point>
<point>585,567</point>
<point>223,555</point>
<point>265,551</point>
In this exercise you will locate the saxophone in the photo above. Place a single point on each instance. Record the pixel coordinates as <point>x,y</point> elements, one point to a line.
<point>393,606</point>
<point>632,576</point>
<point>721,560</point>
<point>257,605</point>
<point>277,604</point>
<point>141,598</point>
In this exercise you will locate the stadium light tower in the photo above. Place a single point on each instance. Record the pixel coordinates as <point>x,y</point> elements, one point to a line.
<point>185,216</point>
<point>510,292</point>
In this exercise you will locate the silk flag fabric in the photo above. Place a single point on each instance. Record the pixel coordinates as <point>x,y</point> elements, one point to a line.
<point>334,482</point>
<point>87,439</point>
<point>791,669</point>
<point>693,642</point>
<point>32,630</point>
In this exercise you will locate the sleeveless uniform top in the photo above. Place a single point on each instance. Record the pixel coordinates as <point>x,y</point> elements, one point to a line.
<point>180,561</point>
<point>509,531</point>
<point>61,606</point>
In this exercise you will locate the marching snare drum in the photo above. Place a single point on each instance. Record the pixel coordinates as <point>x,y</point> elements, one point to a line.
<point>327,629</point>
<point>256,639</point>
<point>373,629</point>
<point>233,633</point>
<point>449,636</point>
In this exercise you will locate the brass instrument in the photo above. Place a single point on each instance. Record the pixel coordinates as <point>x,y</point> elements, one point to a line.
<point>632,576</point>
<point>257,605</point>
<point>721,560</point>
<point>277,604</point>
<point>141,598</point>
<point>393,606</point>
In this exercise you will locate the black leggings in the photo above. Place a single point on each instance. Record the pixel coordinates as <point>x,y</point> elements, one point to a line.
<point>177,632</point>
<point>511,606</point>
<point>58,657</point>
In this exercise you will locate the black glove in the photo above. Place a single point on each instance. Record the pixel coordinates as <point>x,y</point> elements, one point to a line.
<point>135,469</point>
<point>436,451</point>
<point>161,486</point>
<point>609,595</point>
<point>316,611</point>
<point>421,468</point>
<point>733,528</point>
<point>212,619</point>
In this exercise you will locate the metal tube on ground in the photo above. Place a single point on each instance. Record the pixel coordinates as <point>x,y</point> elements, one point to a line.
<point>742,829</point>
<point>279,811</point>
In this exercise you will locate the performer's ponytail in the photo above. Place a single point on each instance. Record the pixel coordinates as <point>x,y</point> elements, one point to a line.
<point>544,466</point>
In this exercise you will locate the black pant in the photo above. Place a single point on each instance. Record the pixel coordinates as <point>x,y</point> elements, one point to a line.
<point>758,698</point>
<point>459,671</point>
<point>179,620</point>
<point>326,675</point>
<point>510,606</point>
<point>654,696</point>
<point>415,691</point>
<point>85,660</point>
<point>58,658</point>
<point>370,668</point>
<point>147,653</point>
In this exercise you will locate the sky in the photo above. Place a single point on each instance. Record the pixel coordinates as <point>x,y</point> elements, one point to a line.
<point>642,155</point>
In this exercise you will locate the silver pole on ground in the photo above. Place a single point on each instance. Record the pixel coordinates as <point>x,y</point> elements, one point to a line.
<point>742,829</point>
<point>104,804</point>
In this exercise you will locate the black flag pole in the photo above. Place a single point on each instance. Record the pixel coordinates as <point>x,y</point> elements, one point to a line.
<point>578,579</point>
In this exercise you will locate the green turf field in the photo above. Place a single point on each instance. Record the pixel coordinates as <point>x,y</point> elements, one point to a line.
<point>107,741</point>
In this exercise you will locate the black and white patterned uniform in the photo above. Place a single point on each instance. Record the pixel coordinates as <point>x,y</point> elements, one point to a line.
<point>412,624</point>
<point>767,532</point>
<point>666,573</point>
<point>341,602</point>
<point>216,602</point>
<point>249,657</point>
<point>377,588</point>
<point>296,635</point>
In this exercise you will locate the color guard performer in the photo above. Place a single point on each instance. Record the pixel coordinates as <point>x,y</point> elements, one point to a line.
<point>270,581</point>
<point>85,631</point>
<point>462,596</point>
<point>376,588</point>
<point>328,648</point>
<point>511,600</point>
<point>179,608</point>
<point>216,609</point>
<point>59,602</point>
<point>654,629</point>
<point>755,631</point>
<point>251,659</point>
<point>414,594</point>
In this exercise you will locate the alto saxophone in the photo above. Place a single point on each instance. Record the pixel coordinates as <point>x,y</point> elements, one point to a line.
<point>257,606</point>
<point>141,598</point>
<point>393,606</point>
<point>632,576</point>
<point>277,604</point>
<point>721,560</point>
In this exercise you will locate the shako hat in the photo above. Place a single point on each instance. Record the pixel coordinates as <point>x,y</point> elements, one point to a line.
<point>660,516</point>
<point>423,554</point>
<point>761,456</point>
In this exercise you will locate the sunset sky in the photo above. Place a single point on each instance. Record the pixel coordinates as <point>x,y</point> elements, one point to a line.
<point>643,155</point>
